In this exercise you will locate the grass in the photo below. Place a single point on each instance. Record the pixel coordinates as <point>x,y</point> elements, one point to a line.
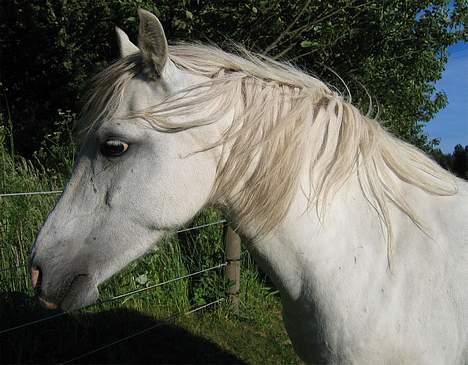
<point>254,336</point>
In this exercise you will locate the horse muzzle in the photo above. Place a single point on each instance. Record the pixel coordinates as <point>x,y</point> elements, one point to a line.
<point>68,291</point>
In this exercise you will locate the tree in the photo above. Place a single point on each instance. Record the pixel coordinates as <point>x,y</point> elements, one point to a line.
<point>460,161</point>
<point>456,162</point>
<point>393,50</point>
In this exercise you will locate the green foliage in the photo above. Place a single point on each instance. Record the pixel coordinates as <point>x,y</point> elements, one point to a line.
<point>49,49</point>
<point>393,50</point>
<point>456,162</point>
<point>20,216</point>
<point>201,249</point>
<point>56,153</point>
<point>460,161</point>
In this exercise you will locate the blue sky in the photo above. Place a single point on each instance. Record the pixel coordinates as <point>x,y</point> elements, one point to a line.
<point>450,124</point>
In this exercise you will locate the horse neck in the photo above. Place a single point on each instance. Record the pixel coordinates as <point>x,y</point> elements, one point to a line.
<point>304,247</point>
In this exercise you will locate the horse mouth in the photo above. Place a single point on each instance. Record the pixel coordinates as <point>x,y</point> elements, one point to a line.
<point>47,305</point>
<point>77,292</point>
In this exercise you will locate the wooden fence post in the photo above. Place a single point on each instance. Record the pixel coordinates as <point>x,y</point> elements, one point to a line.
<point>232,243</point>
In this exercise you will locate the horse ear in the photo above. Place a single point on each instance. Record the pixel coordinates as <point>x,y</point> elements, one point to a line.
<point>152,42</point>
<point>126,47</point>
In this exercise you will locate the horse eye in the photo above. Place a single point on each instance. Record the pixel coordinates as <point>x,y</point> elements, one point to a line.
<point>113,148</point>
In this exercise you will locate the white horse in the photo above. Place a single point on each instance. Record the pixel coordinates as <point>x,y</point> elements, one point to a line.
<point>364,236</point>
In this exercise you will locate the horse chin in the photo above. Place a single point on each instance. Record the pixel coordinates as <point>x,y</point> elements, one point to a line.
<point>82,293</point>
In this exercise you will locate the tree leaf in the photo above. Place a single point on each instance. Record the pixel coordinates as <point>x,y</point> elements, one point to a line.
<point>308,44</point>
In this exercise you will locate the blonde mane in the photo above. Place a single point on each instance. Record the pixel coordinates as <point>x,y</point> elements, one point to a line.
<point>284,121</point>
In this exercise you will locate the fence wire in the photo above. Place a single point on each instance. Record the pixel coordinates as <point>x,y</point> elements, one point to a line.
<point>133,292</point>
<point>163,283</point>
<point>32,193</point>
<point>221,221</point>
<point>164,322</point>
<point>27,324</point>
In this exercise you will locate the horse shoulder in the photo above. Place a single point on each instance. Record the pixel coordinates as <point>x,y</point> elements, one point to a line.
<point>343,302</point>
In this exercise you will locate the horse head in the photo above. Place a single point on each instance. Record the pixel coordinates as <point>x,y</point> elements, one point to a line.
<point>129,180</point>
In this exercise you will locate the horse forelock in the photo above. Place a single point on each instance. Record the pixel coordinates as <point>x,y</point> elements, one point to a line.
<point>286,123</point>
<point>105,93</point>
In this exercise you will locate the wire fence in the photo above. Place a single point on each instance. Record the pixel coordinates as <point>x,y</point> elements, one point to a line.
<point>29,193</point>
<point>120,296</point>
<point>137,291</point>
<point>221,221</point>
<point>126,338</point>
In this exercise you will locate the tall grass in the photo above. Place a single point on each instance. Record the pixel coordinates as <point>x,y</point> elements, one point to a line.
<point>20,216</point>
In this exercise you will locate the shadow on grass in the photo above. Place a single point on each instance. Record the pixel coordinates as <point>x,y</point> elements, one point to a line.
<point>61,339</point>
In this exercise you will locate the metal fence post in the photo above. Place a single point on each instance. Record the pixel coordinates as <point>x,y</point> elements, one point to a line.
<point>232,271</point>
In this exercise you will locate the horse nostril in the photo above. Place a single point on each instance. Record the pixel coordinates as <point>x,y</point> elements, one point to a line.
<point>48,305</point>
<point>35,276</point>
